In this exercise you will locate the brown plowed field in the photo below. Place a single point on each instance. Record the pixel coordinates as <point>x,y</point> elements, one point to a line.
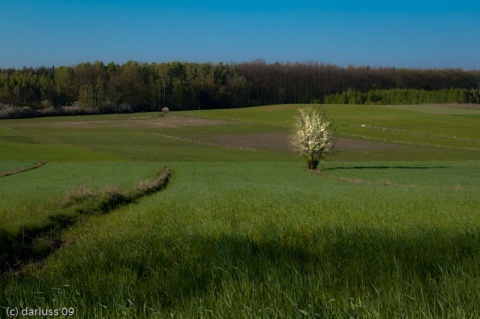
<point>257,141</point>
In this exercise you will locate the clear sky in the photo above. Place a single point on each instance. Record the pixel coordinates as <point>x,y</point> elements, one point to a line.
<point>414,34</point>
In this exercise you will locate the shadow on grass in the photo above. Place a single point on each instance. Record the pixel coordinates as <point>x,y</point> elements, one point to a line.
<point>287,268</point>
<point>32,244</point>
<point>343,262</point>
<point>383,167</point>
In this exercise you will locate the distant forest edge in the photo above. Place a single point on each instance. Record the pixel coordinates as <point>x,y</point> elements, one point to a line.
<point>90,88</point>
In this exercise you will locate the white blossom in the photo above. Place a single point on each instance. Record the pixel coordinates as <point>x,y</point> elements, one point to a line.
<point>313,136</point>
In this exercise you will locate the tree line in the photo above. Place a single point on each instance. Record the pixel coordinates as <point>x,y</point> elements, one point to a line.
<point>405,96</point>
<point>133,86</point>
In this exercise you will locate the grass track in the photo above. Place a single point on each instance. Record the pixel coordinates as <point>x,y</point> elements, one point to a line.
<point>41,190</point>
<point>9,166</point>
<point>22,169</point>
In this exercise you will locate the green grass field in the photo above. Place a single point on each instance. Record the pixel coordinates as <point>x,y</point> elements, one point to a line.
<point>388,229</point>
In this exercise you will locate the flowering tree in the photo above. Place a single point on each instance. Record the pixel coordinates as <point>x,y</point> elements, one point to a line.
<point>313,136</point>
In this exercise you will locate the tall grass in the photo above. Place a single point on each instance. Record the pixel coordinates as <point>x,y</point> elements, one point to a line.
<point>270,240</point>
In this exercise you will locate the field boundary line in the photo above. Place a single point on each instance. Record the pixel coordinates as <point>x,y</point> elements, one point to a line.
<point>23,169</point>
<point>13,130</point>
<point>360,181</point>
<point>413,144</point>
<point>207,143</point>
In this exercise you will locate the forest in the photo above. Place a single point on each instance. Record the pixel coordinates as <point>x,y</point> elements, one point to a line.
<point>97,87</point>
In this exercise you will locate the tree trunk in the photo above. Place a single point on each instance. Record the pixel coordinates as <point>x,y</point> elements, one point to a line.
<point>312,164</point>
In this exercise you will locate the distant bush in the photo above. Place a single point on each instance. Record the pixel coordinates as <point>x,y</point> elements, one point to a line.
<point>15,112</point>
<point>77,110</point>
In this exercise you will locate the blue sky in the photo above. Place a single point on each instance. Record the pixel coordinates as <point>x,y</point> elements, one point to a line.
<point>414,34</point>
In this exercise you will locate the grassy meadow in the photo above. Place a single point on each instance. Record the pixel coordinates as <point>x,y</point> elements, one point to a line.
<point>390,228</point>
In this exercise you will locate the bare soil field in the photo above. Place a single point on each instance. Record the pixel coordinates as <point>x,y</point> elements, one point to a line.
<point>280,142</point>
<point>275,141</point>
<point>172,121</point>
<point>362,145</point>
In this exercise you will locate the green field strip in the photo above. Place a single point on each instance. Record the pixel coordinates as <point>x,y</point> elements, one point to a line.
<point>51,152</point>
<point>30,198</point>
<point>22,169</point>
<point>435,109</point>
<point>9,165</point>
<point>33,244</point>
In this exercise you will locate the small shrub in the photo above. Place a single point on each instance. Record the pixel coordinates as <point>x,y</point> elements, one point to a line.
<point>313,136</point>
<point>76,196</point>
